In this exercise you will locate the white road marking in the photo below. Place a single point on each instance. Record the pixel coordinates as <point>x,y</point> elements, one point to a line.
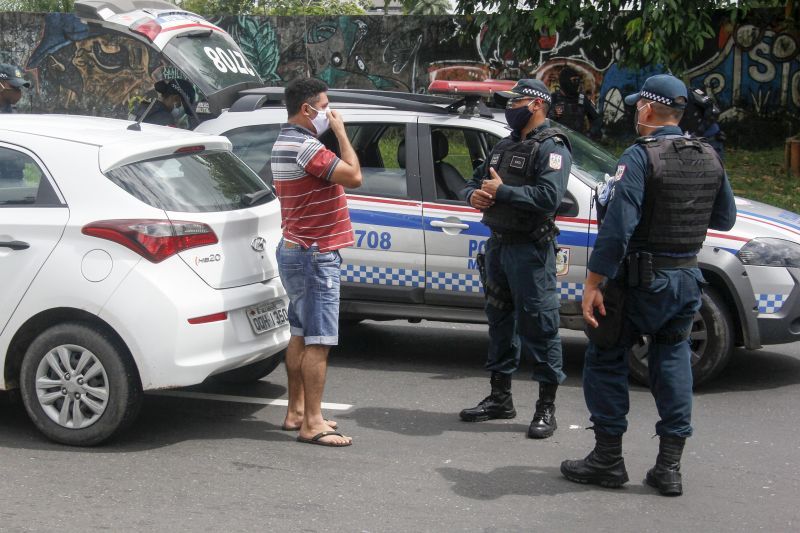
<point>241,399</point>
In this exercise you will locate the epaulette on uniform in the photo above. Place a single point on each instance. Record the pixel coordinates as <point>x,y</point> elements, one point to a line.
<point>646,139</point>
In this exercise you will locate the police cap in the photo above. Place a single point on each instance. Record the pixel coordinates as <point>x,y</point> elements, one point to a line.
<point>530,88</point>
<point>13,75</point>
<point>661,88</point>
<point>176,86</point>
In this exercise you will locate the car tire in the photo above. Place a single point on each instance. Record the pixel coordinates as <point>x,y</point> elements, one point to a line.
<point>252,372</point>
<point>78,385</point>
<point>711,340</point>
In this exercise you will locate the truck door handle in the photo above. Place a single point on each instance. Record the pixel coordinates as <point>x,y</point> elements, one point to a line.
<point>15,245</point>
<point>443,224</point>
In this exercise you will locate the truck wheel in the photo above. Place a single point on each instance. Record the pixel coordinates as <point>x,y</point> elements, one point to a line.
<point>252,372</point>
<point>78,386</point>
<point>711,340</point>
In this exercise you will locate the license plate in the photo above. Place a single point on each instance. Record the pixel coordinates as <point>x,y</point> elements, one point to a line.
<point>267,316</point>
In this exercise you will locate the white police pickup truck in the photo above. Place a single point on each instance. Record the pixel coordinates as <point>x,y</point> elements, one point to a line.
<point>416,240</point>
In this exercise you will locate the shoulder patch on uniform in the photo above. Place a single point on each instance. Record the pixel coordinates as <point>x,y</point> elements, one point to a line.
<point>620,172</point>
<point>555,161</point>
<point>495,159</point>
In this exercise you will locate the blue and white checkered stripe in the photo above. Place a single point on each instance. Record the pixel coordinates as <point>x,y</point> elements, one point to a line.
<point>770,303</point>
<point>400,277</point>
<point>570,291</point>
<point>446,281</point>
<point>451,281</point>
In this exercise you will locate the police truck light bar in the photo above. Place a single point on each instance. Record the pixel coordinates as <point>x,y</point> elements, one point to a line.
<point>479,88</point>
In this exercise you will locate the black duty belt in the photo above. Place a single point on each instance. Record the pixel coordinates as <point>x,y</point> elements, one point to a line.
<point>512,237</point>
<point>661,262</point>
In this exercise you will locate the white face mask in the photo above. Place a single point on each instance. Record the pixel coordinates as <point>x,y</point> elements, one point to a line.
<point>321,122</point>
<point>638,109</point>
<point>178,112</point>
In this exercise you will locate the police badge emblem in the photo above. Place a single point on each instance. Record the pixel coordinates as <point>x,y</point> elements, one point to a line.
<point>562,262</point>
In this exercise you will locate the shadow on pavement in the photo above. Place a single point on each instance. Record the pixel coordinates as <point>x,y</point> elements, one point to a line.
<point>753,371</point>
<point>451,351</point>
<point>418,423</point>
<point>163,421</point>
<point>522,481</point>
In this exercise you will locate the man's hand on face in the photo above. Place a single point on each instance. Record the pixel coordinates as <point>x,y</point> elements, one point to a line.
<point>481,200</point>
<point>490,186</point>
<point>337,123</point>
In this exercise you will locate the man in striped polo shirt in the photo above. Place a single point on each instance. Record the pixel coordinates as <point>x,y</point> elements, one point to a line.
<point>310,181</point>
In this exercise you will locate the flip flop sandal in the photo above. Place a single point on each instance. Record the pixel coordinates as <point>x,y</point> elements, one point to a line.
<point>316,439</point>
<point>288,428</point>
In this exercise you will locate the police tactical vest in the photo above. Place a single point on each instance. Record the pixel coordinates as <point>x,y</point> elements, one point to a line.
<point>570,111</point>
<point>515,162</point>
<point>684,176</point>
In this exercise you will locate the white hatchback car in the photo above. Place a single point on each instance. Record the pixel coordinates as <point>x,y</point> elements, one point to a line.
<point>132,258</point>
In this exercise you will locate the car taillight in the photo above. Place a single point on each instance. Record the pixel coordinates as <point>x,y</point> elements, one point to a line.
<point>190,149</point>
<point>216,317</point>
<point>147,27</point>
<point>155,240</point>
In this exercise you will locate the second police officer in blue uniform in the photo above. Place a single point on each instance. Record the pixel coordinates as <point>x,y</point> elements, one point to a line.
<point>667,191</point>
<point>519,196</point>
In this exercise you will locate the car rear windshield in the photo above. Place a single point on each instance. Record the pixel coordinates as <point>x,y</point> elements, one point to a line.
<point>210,59</point>
<point>192,183</point>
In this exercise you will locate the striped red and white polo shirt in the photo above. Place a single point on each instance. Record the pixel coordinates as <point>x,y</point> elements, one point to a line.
<point>313,210</point>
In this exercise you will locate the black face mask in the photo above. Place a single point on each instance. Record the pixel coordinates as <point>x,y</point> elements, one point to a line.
<point>518,118</point>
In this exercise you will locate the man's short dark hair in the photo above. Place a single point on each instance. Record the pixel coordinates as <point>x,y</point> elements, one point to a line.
<point>301,91</point>
<point>664,112</point>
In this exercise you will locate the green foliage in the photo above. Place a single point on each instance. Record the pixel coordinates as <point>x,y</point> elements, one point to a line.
<point>275,7</point>
<point>315,7</point>
<point>654,32</point>
<point>426,7</point>
<point>37,6</point>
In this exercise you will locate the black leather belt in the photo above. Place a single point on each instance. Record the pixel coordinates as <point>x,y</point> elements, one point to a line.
<point>512,238</point>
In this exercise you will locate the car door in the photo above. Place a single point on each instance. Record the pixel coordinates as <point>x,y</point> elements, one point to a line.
<point>32,221</point>
<point>449,150</point>
<point>387,262</point>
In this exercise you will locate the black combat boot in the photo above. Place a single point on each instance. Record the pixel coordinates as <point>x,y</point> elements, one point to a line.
<point>544,424</point>
<point>603,466</point>
<point>666,475</point>
<point>497,405</point>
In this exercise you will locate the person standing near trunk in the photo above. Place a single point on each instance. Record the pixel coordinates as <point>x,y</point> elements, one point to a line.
<point>309,180</point>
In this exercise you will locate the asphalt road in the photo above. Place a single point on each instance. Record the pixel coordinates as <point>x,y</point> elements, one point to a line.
<point>192,464</point>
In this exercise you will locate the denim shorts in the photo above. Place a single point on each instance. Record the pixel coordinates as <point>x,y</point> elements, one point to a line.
<point>311,279</point>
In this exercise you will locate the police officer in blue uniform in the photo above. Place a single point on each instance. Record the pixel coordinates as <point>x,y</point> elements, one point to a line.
<point>11,84</point>
<point>519,190</point>
<point>173,107</point>
<point>643,279</point>
<point>571,107</point>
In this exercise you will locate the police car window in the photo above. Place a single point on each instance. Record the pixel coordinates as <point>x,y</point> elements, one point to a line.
<point>21,180</point>
<point>590,158</point>
<point>456,152</point>
<point>190,183</point>
<point>253,145</point>
<point>381,152</point>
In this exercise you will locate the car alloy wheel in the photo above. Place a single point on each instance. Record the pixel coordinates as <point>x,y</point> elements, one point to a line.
<point>72,386</point>
<point>711,341</point>
<point>79,384</point>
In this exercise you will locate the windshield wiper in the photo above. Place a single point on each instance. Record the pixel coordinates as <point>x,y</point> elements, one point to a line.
<point>258,197</point>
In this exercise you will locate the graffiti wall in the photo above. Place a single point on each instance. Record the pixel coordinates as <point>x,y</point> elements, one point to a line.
<point>752,69</point>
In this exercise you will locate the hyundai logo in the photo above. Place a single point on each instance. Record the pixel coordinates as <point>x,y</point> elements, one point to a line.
<point>258,244</point>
